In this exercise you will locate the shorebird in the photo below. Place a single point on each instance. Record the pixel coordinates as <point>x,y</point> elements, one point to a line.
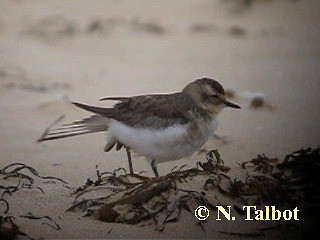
<point>160,127</point>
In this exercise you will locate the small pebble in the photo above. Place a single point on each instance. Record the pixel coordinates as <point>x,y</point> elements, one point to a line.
<point>257,102</point>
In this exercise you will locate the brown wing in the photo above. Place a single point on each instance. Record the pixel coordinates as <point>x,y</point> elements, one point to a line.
<point>150,111</point>
<point>153,111</point>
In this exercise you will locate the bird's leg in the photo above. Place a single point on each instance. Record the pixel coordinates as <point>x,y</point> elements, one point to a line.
<point>154,167</point>
<point>129,159</point>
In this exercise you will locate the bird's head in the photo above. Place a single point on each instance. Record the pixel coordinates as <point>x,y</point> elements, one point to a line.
<point>209,95</point>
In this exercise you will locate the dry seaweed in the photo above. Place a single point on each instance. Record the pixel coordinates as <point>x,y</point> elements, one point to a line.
<point>134,202</point>
<point>289,182</point>
<point>17,167</point>
<point>301,170</point>
<point>50,222</point>
<point>133,199</point>
<point>261,164</point>
<point>9,230</point>
<point>7,205</point>
<point>25,180</point>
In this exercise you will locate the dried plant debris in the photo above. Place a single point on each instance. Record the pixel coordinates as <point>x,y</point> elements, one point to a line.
<point>286,184</point>
<point>9,230</point>
<point>291,182</point>
<point>133,199</point>
<point>25,177</point>
<point>14,170</point>
<point>47,220</point>
<point>301,174</point>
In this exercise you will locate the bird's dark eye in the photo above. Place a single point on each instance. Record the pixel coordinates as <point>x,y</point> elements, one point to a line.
<point>214,96</point>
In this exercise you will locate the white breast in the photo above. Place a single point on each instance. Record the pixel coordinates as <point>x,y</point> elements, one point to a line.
<point>163,145</point>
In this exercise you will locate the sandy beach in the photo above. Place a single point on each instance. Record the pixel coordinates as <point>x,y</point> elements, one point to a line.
<point>55,52</point>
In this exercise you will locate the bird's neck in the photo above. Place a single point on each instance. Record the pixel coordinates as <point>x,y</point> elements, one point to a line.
<point>205,114</point>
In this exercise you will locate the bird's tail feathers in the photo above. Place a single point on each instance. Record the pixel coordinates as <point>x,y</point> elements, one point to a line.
<point>95,123</point>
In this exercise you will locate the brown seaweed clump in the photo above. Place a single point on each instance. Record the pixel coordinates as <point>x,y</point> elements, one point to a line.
<point>134,199</point>
<point>25,177</point>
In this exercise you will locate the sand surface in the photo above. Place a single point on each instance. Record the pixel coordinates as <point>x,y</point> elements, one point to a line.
<point>54,52</point>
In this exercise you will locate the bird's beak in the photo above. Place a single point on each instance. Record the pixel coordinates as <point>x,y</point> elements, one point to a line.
<point>230,104</point>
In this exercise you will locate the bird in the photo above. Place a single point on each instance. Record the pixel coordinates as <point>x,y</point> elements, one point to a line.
<point>160,127</point>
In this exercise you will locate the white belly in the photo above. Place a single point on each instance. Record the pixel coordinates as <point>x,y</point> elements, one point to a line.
<point>163,145</point>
